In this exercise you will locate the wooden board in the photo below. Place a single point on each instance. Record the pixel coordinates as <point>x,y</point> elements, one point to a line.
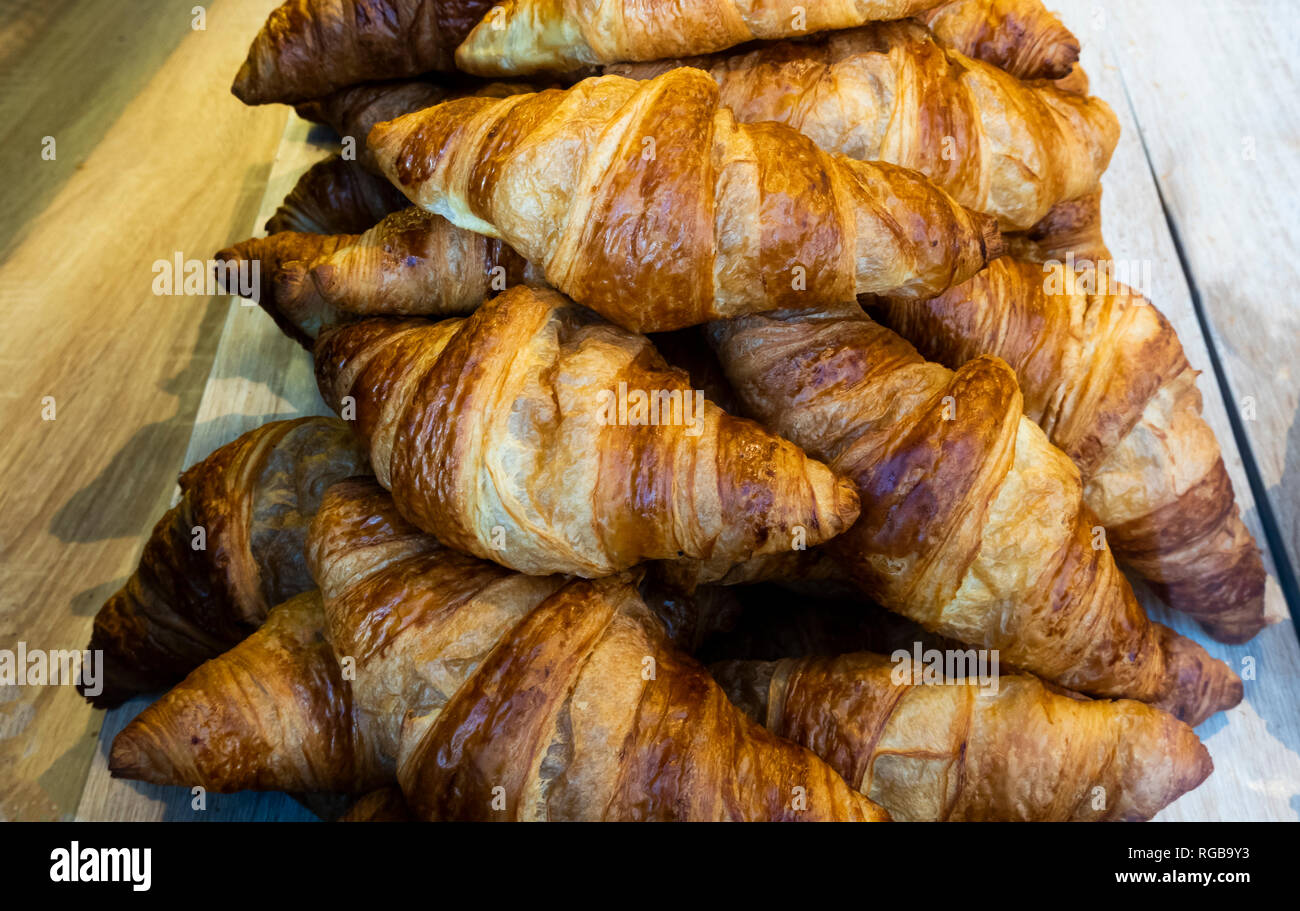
<point>258,376</point>
<point>153,156</point>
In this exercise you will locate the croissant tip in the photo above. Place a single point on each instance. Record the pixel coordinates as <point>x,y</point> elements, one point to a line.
<point>1193,764</point>
<point>127,758</point>
<point>245,86</point>
<point>1234,634</point>
<point>1234,693</point>
<point>846,506</point>
<point>1067,55</point>
<point>991,240</point>
<point>1237,627</point>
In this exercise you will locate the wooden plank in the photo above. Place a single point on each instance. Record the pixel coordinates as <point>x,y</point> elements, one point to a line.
<point>1213,84</point>
<point>1256,746</point>
<point>258,375</point>
<point>153,156</point>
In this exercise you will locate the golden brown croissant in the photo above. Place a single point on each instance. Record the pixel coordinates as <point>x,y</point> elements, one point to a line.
<point>335,196</point>
<point>889,92</point>
<point>647,202</point>
<point>1106,377</point>
<point>309,48</point>
<point>963,751</point>
<point>1072,227</point>
<point>522,697</point>
<point>222,556</point>
<point>410,263</point>
<point>1020,36</point>
<point>273,713</point>
<point>566,36</point>
<point>972,523</point>
<point>538,435</point>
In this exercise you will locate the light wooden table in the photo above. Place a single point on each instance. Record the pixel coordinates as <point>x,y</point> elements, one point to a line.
<point>153,156</point>
<point>1201,188</point>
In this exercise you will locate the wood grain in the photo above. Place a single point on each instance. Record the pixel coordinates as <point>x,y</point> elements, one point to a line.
<point>258,375</point>
<point>153,156</point>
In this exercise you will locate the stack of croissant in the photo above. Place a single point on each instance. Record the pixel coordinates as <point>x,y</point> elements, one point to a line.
<point>694,364</point>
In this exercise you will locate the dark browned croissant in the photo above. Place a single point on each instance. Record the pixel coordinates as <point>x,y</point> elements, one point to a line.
<point>1106,377</point>
<point>536,434</point>
<point>222,556</point>
<point>963,749</point>
<point>354,110</point>
<point>335,196</point>
<point>1020,36</point>
<point>890,92</point>
<point>649,203</point>
<point>410,263</point>
<point>972,523</point>
<point>309,48</point>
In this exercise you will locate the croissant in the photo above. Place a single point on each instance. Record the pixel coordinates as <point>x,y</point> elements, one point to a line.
<point>335,196</point>
<point>410,263</point>
<point>282,261</point>
<point>647,202</point>
<point>972,523</point>
<point>1020,36</point>
<point>1070,228</point>
<point>354,110</point>
<point>273,713</point>
<point>1106,377</point>
<point>522,697</point>
<point>962,751</point>
<point>538,435</point>
<point>1075,82</point>
<point>227,551</point>
<point>889,92</point>
<point>566,36</point>
<point>310,48</point>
